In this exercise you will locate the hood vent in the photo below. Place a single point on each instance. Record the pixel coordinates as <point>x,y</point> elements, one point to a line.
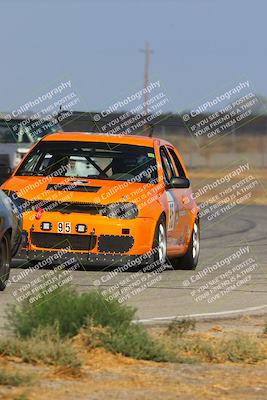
<point>73,188</point>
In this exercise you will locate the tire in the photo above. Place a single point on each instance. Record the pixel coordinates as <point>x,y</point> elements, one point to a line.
<point>160,242</point>
<point>190,259</point>
<point>5,259</point>
<point>16,247</point>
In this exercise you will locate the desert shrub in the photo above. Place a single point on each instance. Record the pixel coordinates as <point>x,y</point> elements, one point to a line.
<point>45,345</point>
<point>69,310</point>
<point>242,348</point>
<point>180,327</point>
<point>130,340</point>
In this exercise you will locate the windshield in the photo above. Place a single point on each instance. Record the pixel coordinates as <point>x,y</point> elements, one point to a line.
<point>91,160</point>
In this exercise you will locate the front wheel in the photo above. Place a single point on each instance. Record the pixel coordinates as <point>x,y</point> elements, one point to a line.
<point>190,259</point>
<point>5,259</point>
<point>160,242</point>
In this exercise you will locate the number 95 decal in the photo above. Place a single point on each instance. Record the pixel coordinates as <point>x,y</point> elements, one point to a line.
<point>64,227</point>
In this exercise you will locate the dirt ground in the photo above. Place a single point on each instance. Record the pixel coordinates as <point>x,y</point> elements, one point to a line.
<point>200,177</point>
<point>105,375</point>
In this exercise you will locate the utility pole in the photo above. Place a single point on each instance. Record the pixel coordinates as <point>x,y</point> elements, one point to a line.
<point>148,51</point>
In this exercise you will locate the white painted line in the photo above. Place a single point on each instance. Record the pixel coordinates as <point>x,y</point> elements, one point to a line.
<point>202,315</point>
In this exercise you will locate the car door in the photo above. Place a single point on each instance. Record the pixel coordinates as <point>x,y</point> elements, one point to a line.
<point>176,233</point>
<point>185,195</point>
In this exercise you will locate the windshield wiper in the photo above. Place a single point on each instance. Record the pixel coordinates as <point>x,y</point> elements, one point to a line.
<point>30,173</point>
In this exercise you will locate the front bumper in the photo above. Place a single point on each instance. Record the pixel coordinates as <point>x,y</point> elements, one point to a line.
<point>106,242</point>
<point>98,260</point>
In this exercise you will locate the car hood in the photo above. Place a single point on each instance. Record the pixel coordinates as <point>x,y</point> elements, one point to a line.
<point>76,190</point>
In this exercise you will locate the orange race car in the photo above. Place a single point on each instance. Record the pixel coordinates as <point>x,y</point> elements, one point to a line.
<point>106,200</point>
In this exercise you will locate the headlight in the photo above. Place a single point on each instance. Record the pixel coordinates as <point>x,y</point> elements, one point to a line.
<point>120,210</point>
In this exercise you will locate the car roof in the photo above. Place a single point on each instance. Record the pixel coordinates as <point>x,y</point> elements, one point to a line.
<point>98,137</point>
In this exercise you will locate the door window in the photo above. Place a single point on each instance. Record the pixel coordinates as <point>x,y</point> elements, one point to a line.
<point>176,162</point>
<point>167,166</point>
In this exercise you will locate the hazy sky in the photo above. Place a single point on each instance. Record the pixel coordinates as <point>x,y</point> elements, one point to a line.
<point>200,47</point>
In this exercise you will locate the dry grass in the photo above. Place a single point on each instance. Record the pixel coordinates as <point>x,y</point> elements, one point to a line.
<point>45,346</point>
<point>205,347</point>
<point>102,372</point>
<point>8,378</point>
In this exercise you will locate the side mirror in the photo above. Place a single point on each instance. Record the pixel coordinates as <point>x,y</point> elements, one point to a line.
<point>179,182</point>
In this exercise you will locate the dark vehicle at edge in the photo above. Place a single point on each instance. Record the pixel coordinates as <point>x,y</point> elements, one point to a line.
<point>10,236</point>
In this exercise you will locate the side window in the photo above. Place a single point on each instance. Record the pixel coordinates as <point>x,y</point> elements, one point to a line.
<point>166,165</point>
<point>176,161</point>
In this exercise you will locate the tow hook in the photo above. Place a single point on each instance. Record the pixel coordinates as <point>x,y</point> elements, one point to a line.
<point>39,213</point>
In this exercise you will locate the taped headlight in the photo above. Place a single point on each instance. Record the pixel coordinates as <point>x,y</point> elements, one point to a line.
<point>120,210</point>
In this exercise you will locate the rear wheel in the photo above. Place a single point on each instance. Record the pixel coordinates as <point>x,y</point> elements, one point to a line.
<point>5,259</point>
<point>190,259</point>
<point>160,242</point>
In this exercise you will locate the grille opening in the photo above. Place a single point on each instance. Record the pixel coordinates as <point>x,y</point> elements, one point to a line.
<point>61,241</point>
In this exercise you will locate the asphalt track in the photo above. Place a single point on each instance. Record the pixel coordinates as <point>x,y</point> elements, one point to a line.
<point>180,293</point>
